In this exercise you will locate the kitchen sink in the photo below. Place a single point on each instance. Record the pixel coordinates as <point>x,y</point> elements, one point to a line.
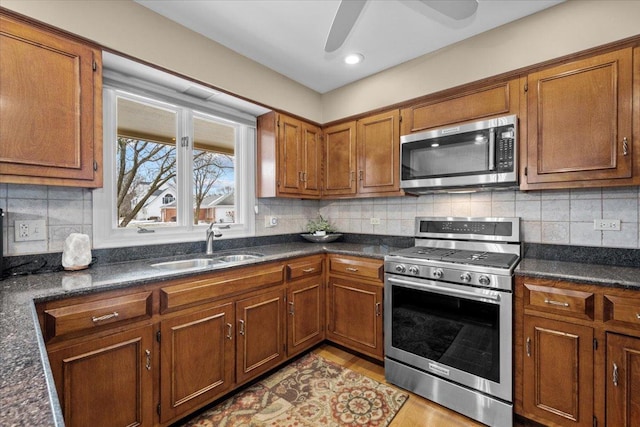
<point>239,257</point>
<point>188,264</point>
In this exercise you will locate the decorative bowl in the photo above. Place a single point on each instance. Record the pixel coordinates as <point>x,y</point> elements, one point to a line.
<point>322,239</point>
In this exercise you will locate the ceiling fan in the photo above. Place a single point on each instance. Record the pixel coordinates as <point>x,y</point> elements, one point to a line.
<point>349,10</point>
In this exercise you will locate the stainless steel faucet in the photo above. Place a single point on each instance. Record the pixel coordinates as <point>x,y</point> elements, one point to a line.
<point>212,232</point>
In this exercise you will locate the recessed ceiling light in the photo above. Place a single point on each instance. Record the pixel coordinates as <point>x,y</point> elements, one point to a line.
<point>354,58</point>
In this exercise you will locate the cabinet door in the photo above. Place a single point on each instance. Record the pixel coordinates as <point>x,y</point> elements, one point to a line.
<point>355,315</point>
<point>305,314</point>
<point>108,381</point>
<point>197,359</point>
<point>51,97</point>
<point>290,152</point>
<point>378,142</point>
<point>579,122</point>
<point>623,380</point>
<point>558,372</point>
<point>260,342</point>
<point>340,159</point>
<point>312,160</point>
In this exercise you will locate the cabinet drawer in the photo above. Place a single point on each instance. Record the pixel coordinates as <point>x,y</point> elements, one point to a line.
<point>204,290</point>
<point>622,309</point>
<point>557,300</point>
<point>86,316</point>
<point>357,267</point>
<point>304,268</point>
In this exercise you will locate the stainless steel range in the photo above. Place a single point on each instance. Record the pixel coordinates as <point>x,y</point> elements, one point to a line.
<point>448,315</point>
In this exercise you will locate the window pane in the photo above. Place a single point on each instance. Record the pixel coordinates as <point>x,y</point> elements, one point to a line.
<point>214,171</point>
<point>146,165</point>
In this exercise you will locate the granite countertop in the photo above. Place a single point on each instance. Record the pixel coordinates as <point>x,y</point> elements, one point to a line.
<point>598,274</point>
<point>27,392</point>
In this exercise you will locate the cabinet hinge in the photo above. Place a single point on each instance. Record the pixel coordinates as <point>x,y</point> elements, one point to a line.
<point>158,336</point>
<point>158,409</point>
<point>526,170</point>
<point>526,87</point>
<point>595,422</point>
<point>595,343</point>
<point>95,66</point>
<point>95,165</point>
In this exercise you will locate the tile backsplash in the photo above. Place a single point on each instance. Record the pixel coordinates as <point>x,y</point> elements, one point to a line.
<point>548,217</point>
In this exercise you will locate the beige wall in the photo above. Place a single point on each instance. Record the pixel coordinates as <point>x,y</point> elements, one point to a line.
<point>569,27</point>
<point>127,27</point>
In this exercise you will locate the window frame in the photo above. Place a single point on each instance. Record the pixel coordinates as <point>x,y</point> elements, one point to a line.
<point>106,233</point>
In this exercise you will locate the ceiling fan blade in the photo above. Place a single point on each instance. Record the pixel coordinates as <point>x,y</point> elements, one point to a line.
<point>345,18</point>
<point>455,9</point>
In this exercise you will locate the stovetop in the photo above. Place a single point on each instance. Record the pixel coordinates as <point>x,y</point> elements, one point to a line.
<point>459,256</point>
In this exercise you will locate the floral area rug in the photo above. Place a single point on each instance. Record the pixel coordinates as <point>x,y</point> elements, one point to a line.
<point>311,391</point>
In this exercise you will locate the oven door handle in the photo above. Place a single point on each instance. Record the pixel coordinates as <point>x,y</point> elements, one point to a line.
<point>447,291</point>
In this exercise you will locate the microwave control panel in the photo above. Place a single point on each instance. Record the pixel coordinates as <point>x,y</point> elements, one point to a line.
<point>506,137</point>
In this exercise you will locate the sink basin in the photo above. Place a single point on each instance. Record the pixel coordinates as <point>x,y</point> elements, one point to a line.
<point>238,257</point>
<point>187,264</point>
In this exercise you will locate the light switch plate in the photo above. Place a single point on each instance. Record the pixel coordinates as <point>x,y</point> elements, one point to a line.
<point>606,224</point>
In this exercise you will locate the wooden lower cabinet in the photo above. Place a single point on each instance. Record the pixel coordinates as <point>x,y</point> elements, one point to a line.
<point>305,315</point>
<point>355,315</point>
<point>623,380</point>
<point>197,359</point>
<point>558,372</point>
<point>260,334</point>
<point>107,381</point>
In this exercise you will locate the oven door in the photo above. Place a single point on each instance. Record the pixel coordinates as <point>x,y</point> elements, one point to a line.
<point>459,333</point>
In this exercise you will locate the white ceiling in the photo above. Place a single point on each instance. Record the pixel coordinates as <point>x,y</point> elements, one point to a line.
<point>289,36</point>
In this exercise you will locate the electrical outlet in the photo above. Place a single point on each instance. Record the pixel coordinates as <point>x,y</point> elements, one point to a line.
<point>374,221</point>
<point>270,221</point>
<point>606,224</point>
<point>30,230</point>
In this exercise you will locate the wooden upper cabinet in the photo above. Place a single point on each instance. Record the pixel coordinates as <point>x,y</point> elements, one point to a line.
<point>579,124</point>
<point>493,100</point>
<point>51,110</point>
<point>378,142</point>
<point>340,159</point>
<point>289,157</point>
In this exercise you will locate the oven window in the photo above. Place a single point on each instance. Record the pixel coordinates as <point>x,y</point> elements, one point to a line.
<point>453,331</point>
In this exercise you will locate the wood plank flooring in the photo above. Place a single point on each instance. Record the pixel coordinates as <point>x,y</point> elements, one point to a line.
<point>416,412</point>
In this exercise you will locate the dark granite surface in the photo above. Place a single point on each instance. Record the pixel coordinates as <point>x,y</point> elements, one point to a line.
<point>27,393</point>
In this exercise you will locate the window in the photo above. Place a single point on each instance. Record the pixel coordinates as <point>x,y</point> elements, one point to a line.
<point>172,165</point>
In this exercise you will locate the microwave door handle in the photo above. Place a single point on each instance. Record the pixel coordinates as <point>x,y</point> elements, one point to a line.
<point>492,149</point>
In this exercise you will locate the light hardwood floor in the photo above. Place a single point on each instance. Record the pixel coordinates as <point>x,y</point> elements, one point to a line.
<point>416,412</point>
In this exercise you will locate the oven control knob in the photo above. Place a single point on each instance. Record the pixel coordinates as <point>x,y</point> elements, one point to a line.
<point>484,280</point>
<point>437,273</point>
<point>465,277</point>
<point>400,268</point>
<point>414,270</point>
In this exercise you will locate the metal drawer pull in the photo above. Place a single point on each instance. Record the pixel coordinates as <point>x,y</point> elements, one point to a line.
<point>625,146</point>
<point>351,269</point>
<point>241,331</point>
<point>309,270</point>
<point>148,364</point>
<point>615,375</point>
<point>638,316</point>
<point>291,308</point>
<point>528,347</point>
<point>105,317</point>
<point>552,302</point>
<point>229,329</point>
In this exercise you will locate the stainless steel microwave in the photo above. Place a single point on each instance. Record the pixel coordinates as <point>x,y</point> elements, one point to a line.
<point>480,154</point>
